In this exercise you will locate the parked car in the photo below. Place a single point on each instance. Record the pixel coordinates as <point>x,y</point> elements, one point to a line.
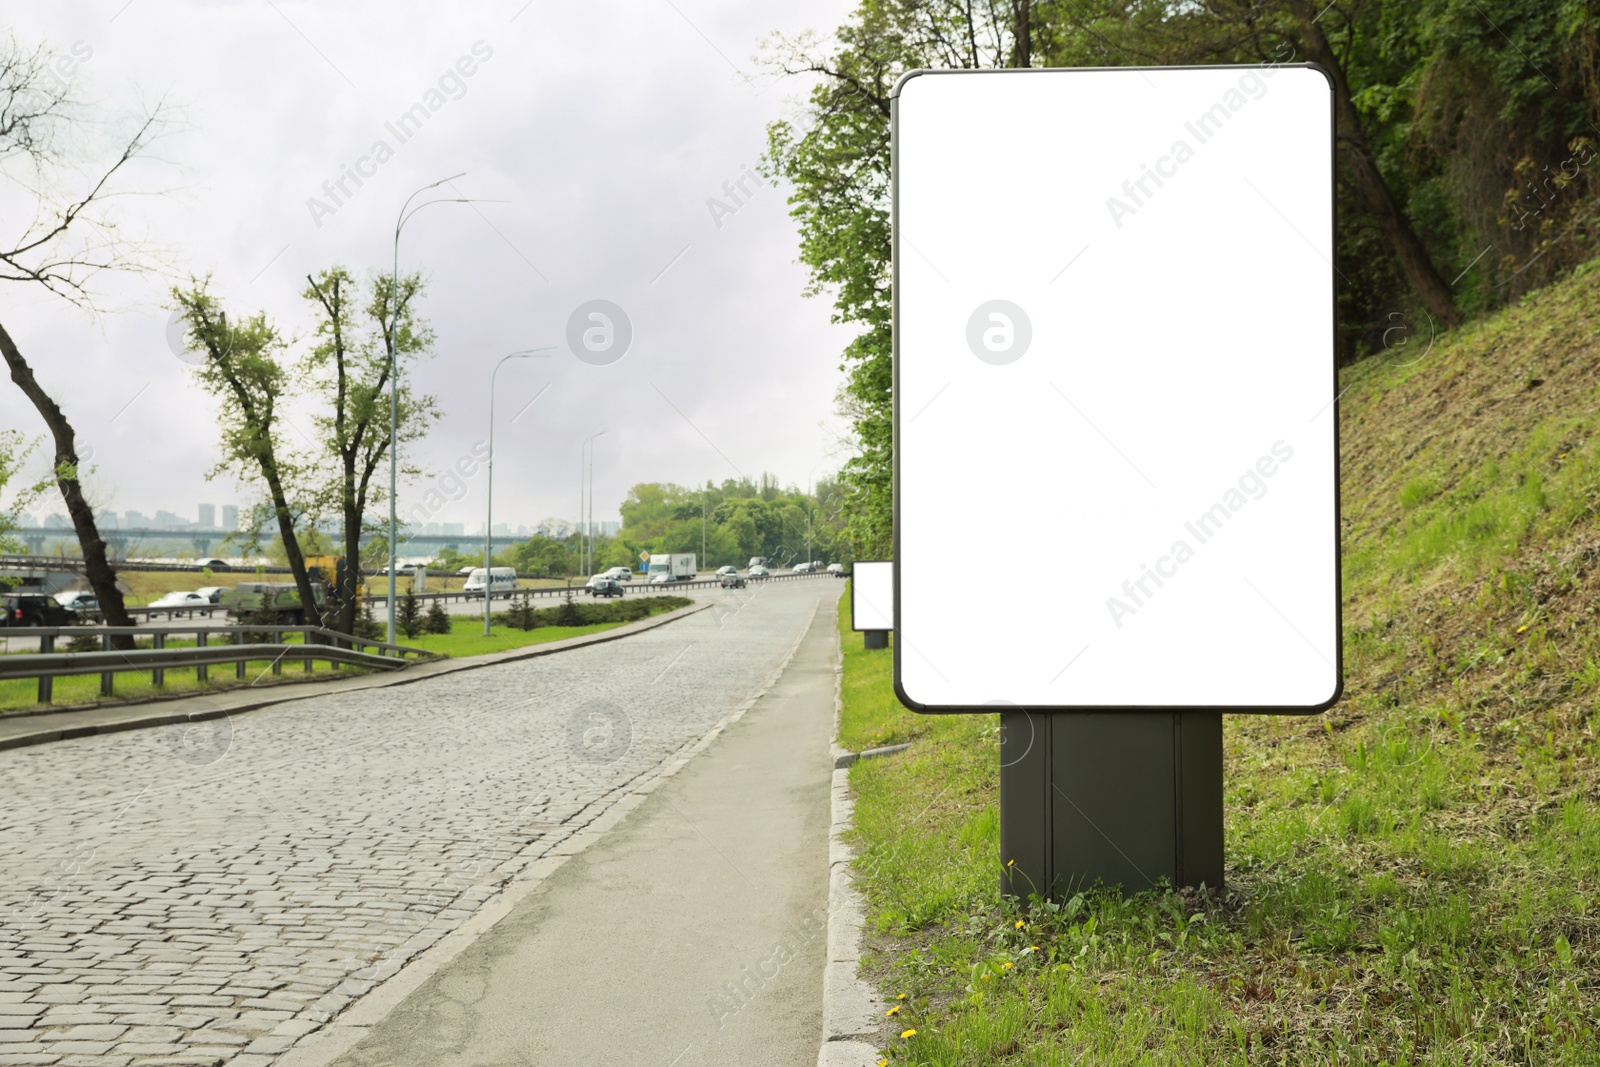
<point>733,580</point>
<point>759,571</point>
<point>599,586</point>
<point>182,599</point>
<point>33,609</point>
<point>621,574</point>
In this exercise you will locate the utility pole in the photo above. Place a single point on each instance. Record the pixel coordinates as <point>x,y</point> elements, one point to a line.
<point>587,519</point>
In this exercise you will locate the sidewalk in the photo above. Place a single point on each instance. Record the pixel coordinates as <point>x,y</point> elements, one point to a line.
<point>692,934</point>
<point>30,728</point>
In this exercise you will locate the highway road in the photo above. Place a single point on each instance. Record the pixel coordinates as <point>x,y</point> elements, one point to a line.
<point>213,893</point>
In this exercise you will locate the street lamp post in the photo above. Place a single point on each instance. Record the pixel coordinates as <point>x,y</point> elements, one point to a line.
<point>406,211</point>
<point>488,518</point>
<point>587,518</point>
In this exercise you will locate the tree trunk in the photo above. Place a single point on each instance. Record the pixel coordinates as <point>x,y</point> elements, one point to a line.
<point>1429,285</point>
<point>346,622</point>
<point>1021,34</point>
<point>291,545</point>
<point>102,578</point>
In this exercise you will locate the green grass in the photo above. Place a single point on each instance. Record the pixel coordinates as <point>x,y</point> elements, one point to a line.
<point>1392,898</point>
<point>466,636</point>
<point>1411,878</point>
<point>22,694</point>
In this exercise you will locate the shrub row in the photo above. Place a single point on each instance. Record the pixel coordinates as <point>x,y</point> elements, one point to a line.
<point>569,612</point>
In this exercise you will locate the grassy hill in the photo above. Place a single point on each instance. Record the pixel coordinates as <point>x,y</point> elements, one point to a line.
<point>1414,877</point>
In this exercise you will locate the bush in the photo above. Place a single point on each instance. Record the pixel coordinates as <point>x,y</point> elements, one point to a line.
<point>569,614</point>
<point>259,617</point>
<point>85,643</point>
<point>438,619</point>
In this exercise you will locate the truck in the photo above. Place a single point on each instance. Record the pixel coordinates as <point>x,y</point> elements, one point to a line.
<point>281,599</point>
<point>671,566</point>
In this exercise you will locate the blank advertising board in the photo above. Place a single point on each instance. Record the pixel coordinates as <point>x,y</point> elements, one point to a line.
<point>872,595</point>
<point>1116,481</point>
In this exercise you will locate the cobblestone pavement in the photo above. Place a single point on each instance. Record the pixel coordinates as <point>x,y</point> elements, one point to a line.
<point>210,893</point>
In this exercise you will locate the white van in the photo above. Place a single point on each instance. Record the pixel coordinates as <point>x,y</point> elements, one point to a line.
<point>499,580</point>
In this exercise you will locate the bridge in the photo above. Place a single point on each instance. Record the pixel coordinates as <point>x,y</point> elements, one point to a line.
<point>41,540</point>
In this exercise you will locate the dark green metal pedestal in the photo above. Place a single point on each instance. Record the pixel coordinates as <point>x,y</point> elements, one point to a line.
<point>1124,798</point>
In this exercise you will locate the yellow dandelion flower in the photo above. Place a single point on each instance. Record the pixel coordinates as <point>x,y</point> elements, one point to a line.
<point>1011,863</point>
<point>907,1033</point>
<point>1019,924</point>
<point>884,1062</point>
<point>1007,965</point>
<point>1522,629</point>
<point>987,976</point>
<point>902,996</point>
<point>893,1011</point>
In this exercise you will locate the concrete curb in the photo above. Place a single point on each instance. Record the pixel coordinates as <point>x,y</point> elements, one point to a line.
<point>235,701</point>
<point>852,1011</point>
<point>333,1036</point>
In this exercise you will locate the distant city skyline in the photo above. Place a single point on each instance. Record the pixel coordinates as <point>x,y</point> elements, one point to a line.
<point>205,521</point>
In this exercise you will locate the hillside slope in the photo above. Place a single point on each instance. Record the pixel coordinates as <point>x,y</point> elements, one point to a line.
<point>1471,507</point>
<point>1412,877</point>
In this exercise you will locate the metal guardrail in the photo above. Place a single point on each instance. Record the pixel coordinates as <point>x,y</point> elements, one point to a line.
<point>319,643</point>
<point>579,590</point>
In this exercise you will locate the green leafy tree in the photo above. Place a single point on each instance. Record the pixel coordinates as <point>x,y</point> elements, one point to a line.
<point>1468,136</point>
<point>246,368</point>
<point>349,370</point>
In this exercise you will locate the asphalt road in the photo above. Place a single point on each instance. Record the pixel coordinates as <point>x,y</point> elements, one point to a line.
<point>214,892</point>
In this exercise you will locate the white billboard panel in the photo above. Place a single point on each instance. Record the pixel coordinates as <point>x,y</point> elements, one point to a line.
<point>1115,431</point>
<point>872,595</point>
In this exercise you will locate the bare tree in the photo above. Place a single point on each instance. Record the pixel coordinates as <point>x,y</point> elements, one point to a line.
<point>64,244</point>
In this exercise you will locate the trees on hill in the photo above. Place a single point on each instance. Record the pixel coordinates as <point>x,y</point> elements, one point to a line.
<point>1468,132</point>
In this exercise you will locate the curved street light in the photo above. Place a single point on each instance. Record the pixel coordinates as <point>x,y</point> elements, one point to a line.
<point>488,518</point>
<point>406,213</point>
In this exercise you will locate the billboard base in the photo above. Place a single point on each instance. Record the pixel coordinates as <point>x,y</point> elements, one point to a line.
<point>875,639</point>
<point>1123,798</point>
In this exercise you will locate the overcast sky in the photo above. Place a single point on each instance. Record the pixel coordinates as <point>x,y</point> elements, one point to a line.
<point>605,125</point>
